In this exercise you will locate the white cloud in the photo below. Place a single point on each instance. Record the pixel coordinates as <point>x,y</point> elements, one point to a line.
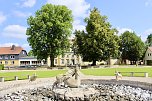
<point>122,30</point>
<point>27,3</point>
<point>77,25</point>
<point>148,3</point>
<point>8,44</point>
<point>2,17</point>
<point>15,31</point>
<point>26,47</point>
<point>79,8</point>
<point>21,14</point>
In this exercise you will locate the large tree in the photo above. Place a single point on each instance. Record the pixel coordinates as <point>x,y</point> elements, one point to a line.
<point>131,46</point>
<point>100,41</point>
<point>49,30</point>
<point>149,40</point>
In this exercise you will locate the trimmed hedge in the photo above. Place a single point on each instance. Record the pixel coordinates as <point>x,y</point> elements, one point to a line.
<point>1,67</point>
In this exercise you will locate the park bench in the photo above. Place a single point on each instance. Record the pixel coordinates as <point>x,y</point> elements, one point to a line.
<point>132,73</point>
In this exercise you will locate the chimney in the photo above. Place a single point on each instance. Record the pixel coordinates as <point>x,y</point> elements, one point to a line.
<point>13,47</point>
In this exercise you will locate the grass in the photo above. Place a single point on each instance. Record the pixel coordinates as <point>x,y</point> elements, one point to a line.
<point>23,74</point>
<point>111,71</point>
<point>95,71</point>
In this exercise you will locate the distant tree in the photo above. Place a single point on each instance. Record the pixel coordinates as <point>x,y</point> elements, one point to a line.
<point>100,41</point>
<point>149,40</point>
<point>131,47</point>
<point>49,30</point>
<point>30,53</point>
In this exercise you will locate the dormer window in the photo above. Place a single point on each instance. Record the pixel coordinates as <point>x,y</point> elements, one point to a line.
<point>12,57</point>
<point>149,54</point>
<point>1,57</point>
<point>6,56</point>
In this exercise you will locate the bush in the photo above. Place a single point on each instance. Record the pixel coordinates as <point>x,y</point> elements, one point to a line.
<point>2,67</point>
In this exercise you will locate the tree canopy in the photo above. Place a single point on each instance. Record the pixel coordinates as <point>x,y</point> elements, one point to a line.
<point>131,46</point>
<point>100,41</point>
<point>149,40</point>
<point>48,31</point>
<point>30,53</point>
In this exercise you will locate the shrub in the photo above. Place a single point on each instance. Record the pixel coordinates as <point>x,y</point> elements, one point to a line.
<point>1,67</point>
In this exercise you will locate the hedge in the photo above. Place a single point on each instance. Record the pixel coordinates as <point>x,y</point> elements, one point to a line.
<point>1,67</point>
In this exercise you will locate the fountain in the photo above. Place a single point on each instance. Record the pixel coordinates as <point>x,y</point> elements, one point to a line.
<point>69,85</point>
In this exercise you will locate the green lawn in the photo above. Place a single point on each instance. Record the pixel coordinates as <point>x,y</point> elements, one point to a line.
<point>111,71</point>
<point>23,74</point>
<point>95,71</point>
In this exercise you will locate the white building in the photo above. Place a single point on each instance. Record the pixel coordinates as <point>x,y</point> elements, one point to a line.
<point>148,56</point>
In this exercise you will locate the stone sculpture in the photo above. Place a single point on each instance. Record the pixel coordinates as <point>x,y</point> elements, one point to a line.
<point>33,78</point>
<point>118,75</point>
<point>70,79</point>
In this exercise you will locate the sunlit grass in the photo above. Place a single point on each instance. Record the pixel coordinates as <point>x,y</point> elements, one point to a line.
<point>111,71</point>
<point>24,74</point>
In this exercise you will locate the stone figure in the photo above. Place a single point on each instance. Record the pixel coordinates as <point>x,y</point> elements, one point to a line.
<point>118,75</point>
<point>70,79</point>
<point>33,78</point>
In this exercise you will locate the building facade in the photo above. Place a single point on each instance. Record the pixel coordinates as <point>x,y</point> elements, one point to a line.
<point>9,56</point>
<point>148,56</point>
<point>15,56</point>
<point>68,59</point>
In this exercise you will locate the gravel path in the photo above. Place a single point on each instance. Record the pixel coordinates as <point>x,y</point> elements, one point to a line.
<point>13,86</point>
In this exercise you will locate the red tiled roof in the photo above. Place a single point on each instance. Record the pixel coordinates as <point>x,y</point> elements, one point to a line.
<point>9,50</point>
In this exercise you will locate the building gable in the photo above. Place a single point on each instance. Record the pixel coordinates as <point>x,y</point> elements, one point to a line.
<point>148,54</point>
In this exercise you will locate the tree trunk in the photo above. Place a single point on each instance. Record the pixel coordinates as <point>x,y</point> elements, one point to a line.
<point>52,61</point>
<point>94,63</point>
<point>109,61</point>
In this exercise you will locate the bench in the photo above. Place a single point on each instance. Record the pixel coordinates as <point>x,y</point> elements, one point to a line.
<point>132,73</point>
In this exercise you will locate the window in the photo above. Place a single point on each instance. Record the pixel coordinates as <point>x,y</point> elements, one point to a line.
<point>67,61</point>
<point>6,62</point>
<point>1,57</point>
<point>6,57</point>
<point>62,56</point>
<point>149,54</point>
<point>0,62</point>
<point>55,61</point>
<point>62,61</point>
<point>67,56</point>
<point>12,62</point>
<point>73,55</point>
<point>12,57</point>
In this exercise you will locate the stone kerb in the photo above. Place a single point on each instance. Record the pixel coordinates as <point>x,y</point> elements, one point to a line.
<point>137,84</point>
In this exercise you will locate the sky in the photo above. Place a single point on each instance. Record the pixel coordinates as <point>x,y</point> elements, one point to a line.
<point>131,15</point>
